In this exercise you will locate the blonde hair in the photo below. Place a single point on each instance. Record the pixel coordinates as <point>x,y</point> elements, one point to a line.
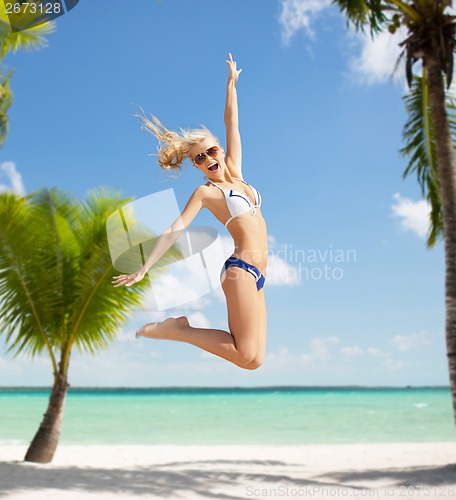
<point>174,147</point>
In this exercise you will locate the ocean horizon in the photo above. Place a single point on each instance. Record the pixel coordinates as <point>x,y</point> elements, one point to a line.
<point>229,387</point>
<point>234,415</point>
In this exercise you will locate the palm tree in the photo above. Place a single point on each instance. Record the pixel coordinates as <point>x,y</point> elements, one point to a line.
<point>55,288</point>
<point>28,40</point>
<point>420,147</point>
<point>431,40</point>
<point>6,99</point>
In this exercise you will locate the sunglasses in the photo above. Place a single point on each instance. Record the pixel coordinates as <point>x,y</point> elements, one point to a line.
<point>201,157</point>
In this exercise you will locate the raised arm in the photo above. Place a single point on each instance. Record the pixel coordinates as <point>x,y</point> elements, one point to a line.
<point>233,157</point>
<point>166,239</point>
<point>172,233</point>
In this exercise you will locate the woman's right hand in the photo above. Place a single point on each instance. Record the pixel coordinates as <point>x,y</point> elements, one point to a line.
<point>129,279</point>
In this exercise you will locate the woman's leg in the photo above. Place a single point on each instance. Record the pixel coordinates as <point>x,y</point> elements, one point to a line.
<point>262,332</point>
<point>244,305</point>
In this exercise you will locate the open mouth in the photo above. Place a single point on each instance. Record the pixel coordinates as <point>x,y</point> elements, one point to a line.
<point>214,167</point>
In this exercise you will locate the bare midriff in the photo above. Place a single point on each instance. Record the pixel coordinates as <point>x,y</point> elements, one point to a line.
<point>250,237</point>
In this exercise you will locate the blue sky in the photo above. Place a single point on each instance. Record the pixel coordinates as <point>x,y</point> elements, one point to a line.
<point>321,125</point>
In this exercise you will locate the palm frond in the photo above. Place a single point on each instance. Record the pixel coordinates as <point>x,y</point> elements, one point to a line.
<point>363,13</point>
<point>56,271</point>
<point>26,278</point>
<point>29,39</point>
<point>56,211</point>
<point>98,307</point>
<point>6,100</point>
<point>418,134</point>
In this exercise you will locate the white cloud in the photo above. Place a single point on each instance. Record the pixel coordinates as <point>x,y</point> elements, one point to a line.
<point>23,370</point>
<point>414,215</point>
<point>9,366</point>
<point>376,58</point>
<point>282,357</point>
<point>410,342</point>
<point>8,169</point>
<point>186,286</point>
<point>393,365</point>
<point>198,320</point>
<point>272,241</point>
<point>181,291</point>
<point>387,362</point>
<point>353,350</point>
<point>298,14</point>
<point>126,336</point>
<point>280,273</point>
<point>319,350</point>
<point>175,294</point>
<point>322,353</point>
<point>377,353</point>
<point>371,60</point>
<point>210,365</point>
<point>325,360</point>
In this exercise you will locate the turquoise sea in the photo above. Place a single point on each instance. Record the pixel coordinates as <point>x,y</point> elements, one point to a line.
<point>285,415</point>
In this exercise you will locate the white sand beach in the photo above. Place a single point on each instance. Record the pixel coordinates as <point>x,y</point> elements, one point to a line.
<point>398,470</point>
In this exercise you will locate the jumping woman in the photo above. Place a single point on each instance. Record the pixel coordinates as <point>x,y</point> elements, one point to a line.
<point>235,204</point>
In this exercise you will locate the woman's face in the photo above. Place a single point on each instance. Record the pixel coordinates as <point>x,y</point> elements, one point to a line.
<point>212,164</point>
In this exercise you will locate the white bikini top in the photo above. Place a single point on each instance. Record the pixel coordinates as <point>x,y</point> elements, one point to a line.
<point>237,202</point>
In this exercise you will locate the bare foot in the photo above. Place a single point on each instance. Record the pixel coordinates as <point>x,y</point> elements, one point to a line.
<point>161,330</point>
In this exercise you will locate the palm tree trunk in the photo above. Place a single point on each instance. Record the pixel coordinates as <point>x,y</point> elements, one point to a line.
<point>45,442</point>
<point>447,181</point>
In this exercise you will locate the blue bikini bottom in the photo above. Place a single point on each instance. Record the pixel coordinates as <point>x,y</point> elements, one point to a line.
<point>254,271</point>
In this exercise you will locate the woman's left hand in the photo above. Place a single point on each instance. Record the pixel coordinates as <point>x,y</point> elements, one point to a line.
<point>234,72</point>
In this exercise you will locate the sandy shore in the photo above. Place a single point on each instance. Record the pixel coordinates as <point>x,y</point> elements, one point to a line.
<point>417,470</point>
